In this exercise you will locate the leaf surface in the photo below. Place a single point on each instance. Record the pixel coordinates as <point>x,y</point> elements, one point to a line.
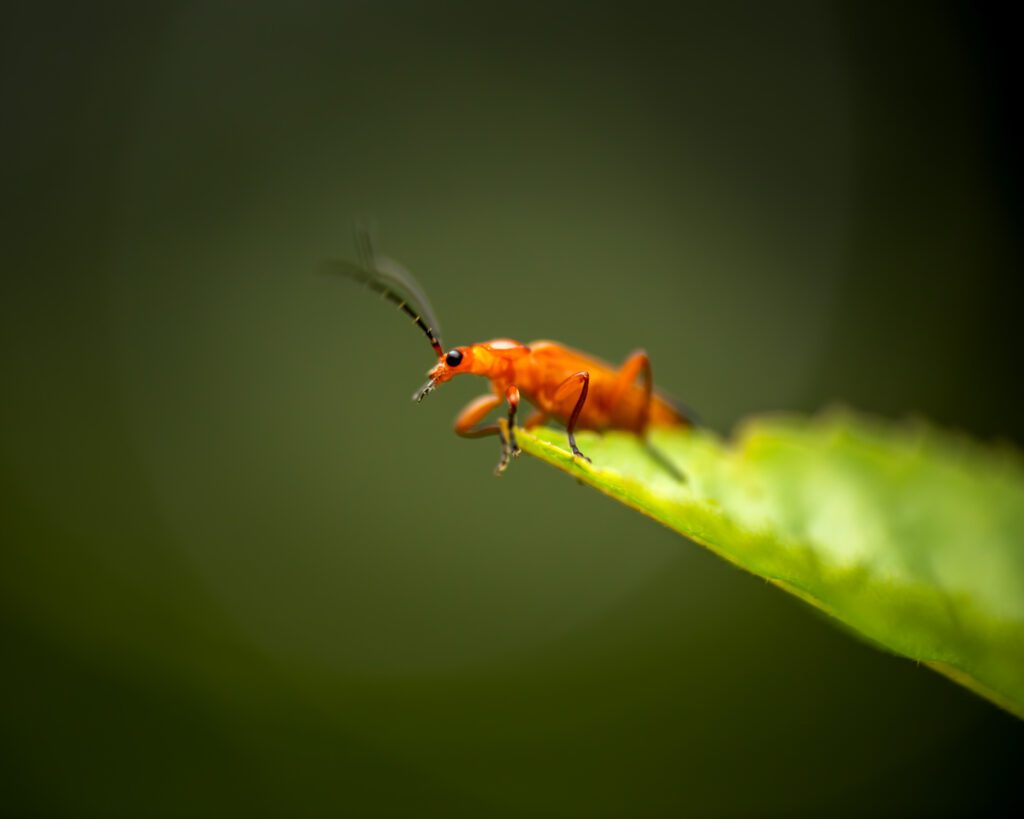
<point>911,537</point>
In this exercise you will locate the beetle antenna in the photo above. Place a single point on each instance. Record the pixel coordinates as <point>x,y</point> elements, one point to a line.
<point>393,282</point>
<point>392,270</point>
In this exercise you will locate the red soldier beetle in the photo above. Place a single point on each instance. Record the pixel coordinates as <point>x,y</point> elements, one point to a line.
<point>574,388</point>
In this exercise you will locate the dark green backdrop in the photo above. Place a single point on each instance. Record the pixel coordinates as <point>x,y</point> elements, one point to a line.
<point>243,574</point>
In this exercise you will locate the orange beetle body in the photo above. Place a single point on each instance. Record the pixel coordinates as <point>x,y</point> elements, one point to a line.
<point>579,390</point>
<point>574,388</point>
<point>538,369</point>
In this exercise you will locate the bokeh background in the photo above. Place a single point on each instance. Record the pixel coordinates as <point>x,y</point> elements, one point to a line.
<point>242,574</point>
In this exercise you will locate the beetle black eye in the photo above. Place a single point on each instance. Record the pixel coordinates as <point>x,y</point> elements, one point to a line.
<point>454,358</point>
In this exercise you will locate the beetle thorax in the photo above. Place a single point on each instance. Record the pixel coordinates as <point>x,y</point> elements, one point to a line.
<point>496,359</point>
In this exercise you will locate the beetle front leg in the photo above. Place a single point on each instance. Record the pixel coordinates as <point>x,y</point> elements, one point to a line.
<point>473,413</point>
<point>467,424</point>
<point>509,448</point>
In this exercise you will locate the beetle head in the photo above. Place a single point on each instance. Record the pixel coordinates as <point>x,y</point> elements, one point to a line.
<point>456,361</point>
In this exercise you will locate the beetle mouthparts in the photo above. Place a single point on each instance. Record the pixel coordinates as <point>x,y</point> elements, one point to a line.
<point>423,391</point>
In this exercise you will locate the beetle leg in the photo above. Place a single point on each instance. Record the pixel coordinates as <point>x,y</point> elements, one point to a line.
<point>512,396</point>
<point>509,447</point>
<point>536,418</point>
<point>467,424</point>
<point>582,378</point>
<point>473,413</point>
<point>638,363</point>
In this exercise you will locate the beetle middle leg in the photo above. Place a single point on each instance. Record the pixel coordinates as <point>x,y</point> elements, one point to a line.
<point>537,417</point>
<point>582,379</point>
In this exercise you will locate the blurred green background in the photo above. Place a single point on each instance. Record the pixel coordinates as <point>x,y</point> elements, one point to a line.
<point>243,574</point>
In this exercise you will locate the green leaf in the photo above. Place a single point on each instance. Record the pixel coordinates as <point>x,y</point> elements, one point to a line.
<point>911,537</point>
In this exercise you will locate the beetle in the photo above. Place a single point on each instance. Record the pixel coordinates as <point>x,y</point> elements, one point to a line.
<point>574,388</point>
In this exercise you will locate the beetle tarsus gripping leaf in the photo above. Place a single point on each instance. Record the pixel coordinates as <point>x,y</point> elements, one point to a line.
<point>576,452</point>
<point>509,449</point>
<point>499,470</point>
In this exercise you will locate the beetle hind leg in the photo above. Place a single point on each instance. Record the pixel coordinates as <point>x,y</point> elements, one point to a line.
<point>638,364</point>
